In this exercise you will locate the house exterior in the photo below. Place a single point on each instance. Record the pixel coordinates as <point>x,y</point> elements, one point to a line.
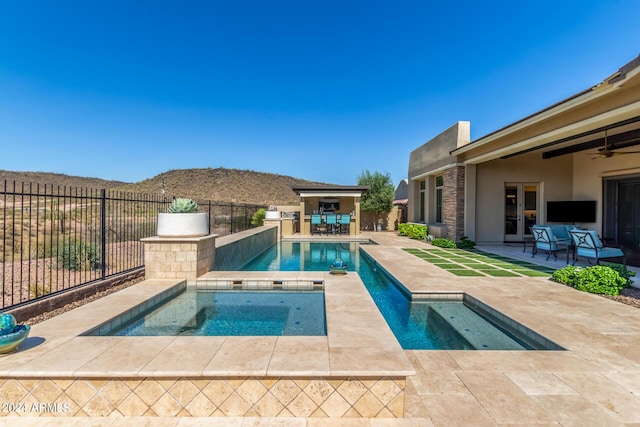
<point>493,189</point>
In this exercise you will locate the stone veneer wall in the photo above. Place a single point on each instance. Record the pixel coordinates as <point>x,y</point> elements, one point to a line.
<point>202,397</point>
<point>179,258</point>
<point>235,250</point>
<point>453,202</point>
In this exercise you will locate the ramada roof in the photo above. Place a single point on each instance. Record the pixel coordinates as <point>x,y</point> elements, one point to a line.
<point>325,189</point>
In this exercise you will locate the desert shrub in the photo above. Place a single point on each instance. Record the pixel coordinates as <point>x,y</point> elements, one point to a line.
<point>623,272</point>
<point>413,231</point>
<point>258,218</point>
<point>444,243</point>
<point>598,279</point>
<point>76,255</point>
<point>465,243</point>
<point>37,290</point>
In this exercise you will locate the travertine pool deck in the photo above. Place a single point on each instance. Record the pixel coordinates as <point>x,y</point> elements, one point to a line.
<point>284,376</point>
<point>596,381</point>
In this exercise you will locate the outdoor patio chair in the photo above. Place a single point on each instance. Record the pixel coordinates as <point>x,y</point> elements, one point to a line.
<point>332,222</point>
<point>316,224</point>
<point>345,223</point>
<point>547,241</point>
<point>587,244</point>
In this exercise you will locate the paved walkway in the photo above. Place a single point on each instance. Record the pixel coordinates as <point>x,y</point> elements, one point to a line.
<point>595,382</point>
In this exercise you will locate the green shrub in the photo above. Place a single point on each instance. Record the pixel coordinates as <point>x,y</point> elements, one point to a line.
<point>443,243</point>
<point>623,272</point>
<point>566,275</point>
<point>258,217</point>
<point>413,231</point>
<point>465,243</point>
<point>78,256</point>
<point>598,279</point>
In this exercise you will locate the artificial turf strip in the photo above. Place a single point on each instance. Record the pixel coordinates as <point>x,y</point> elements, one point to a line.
<point>501,264</point>
<point>481,262</point>
<point>473,264</point>
<point>500,273</point>
<point>465,272</point>
<point>448,266</point>
<point>532,273</point>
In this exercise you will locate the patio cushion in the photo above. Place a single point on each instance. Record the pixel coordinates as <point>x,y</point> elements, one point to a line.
<point>545,238</point>
<point>561,232</point>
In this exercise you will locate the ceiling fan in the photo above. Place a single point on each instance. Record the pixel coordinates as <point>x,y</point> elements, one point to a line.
<point>606,151</point>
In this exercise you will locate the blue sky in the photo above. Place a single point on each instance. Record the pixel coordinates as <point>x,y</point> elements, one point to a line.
<point>126,90</point>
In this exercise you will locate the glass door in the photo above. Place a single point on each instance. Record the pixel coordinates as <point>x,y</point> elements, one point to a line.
<point>520,210</point>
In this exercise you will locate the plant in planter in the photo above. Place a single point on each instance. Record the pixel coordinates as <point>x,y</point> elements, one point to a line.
<point>183,220</point>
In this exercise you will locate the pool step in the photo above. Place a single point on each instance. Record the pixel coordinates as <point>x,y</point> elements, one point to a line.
<point>260,280</point>
<point>474,328</point>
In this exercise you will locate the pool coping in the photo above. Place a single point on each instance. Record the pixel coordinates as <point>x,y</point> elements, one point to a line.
<point>356,331</point>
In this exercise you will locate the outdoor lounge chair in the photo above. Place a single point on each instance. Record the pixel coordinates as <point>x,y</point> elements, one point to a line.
<point>587,244</point>
<point>345,223</point>
<point>332,221</point>
<point>316,223</point>
<point>547,241</point>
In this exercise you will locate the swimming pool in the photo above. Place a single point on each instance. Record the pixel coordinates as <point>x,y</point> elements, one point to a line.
<point>227,313</point>
<point>305,256</point>
<point>418,325</point>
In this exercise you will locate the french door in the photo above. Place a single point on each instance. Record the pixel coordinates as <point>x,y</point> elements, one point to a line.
<point>521,208</point>
<point>621,223</point>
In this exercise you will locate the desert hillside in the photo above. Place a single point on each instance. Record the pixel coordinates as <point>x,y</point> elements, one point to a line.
<point>220,184</point>
<point>55,179</point>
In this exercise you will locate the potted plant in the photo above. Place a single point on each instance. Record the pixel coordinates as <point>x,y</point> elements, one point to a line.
<point>183,220</point>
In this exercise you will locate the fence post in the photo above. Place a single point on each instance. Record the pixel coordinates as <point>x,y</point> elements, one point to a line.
<point>103,231</point>
<point>231,225</point>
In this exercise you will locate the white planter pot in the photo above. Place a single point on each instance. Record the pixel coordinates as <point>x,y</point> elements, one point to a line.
<point>183,224</point>
<point>272,215</point>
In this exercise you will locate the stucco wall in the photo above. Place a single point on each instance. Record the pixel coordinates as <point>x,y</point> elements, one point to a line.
<point>588,174</point>
<point>554,175</point>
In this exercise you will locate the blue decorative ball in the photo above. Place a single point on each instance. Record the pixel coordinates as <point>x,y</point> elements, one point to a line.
<point>7,323</point>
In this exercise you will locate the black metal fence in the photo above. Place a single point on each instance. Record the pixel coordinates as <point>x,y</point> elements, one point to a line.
<point>54,238</point>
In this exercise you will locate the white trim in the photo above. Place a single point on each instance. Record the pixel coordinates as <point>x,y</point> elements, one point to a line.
<point>596,92</point>
<point>332,194</point>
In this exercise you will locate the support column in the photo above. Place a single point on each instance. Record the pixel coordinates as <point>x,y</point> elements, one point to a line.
<point>179,257</point>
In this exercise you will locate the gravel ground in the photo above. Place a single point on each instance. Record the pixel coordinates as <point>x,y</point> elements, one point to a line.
<point>48,315</point>
<point>629,296</point>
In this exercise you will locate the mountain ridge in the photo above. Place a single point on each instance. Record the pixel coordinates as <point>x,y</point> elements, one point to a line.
<point>216,184</point>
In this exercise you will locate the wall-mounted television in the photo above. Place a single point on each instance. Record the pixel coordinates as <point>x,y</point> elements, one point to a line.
<point>571,211</point>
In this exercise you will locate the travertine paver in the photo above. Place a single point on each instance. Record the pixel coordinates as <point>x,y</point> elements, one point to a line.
<point>595,382</point>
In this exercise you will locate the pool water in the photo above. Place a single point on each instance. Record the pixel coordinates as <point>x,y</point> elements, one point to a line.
<point>232,313</point>
<point>305,256</point>
<point>417,325</point>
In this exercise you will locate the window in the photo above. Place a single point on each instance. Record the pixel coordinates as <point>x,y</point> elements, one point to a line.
<point>423,187</point>
<point>439,188</point>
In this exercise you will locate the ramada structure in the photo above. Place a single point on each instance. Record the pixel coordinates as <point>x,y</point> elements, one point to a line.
<point>493,189</point>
